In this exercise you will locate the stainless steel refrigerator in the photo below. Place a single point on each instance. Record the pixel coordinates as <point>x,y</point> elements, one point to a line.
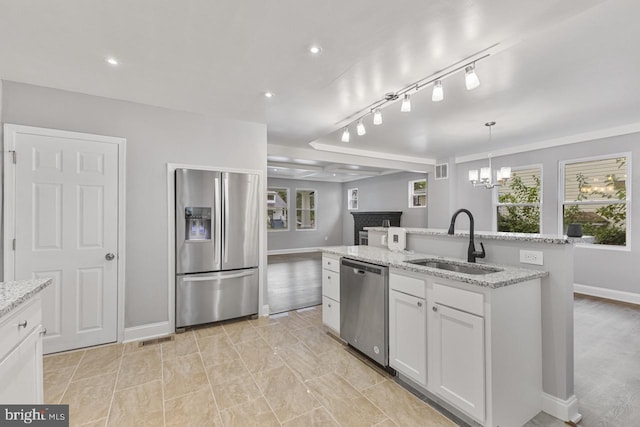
<point>217,255</point>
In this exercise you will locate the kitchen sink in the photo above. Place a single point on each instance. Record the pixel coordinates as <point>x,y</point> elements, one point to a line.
<point>458,268</point>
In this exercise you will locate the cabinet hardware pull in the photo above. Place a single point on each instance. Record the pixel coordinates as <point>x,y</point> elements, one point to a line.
<point>435,308</point>
<point>22,324</point>
<point>43,332</point>
<point>419,303</point>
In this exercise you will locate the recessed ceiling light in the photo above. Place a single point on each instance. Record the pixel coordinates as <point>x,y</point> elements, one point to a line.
<point>315,50</point>
<point>112,61</point>
<point>268,94</point>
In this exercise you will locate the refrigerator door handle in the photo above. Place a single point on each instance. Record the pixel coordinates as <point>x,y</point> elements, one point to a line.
<point>218,276</point>
<point>225,236</point>
<point>216,192</point>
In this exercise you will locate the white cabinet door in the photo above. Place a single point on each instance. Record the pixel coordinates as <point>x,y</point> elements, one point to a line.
<point>331,314</point>
<point>21,372</point>
<point>408,336</point>
<point>331,284</point>
<point>456,358</point>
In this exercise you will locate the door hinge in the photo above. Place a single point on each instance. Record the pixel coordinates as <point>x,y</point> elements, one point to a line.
<point>14,244</point>
<point>14,156</point>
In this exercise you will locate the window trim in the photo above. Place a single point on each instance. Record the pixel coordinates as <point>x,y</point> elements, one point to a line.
<point>627,201</point>
<point>315,209</point>
<point>496,204</point>
<point>349,199</point>
<point>410,193</point>
<point>279,230</point>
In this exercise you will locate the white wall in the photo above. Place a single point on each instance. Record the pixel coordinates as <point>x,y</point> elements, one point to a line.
<point>384,193</point>
<point>595,265</point>
<point>155,137</point>
<point>328,230</point>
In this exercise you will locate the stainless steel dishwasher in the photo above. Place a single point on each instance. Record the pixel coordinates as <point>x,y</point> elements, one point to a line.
<point>364,312</point>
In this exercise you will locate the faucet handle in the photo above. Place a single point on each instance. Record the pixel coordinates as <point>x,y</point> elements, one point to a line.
<point>481,254</point>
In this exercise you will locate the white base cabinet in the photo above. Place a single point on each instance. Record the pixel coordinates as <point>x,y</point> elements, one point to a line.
<point>21,355</point>
<point>331,292</point>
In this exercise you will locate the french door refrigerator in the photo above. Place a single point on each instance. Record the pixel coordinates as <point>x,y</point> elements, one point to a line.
<point>217,234</point>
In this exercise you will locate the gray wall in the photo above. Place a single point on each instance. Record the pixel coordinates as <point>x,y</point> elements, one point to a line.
<point>328,230</point>
<point>155,137</point>
<point>594,266</point>
<point>384,193</point>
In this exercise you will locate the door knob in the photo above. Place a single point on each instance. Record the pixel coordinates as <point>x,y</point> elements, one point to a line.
<point>109,256</point>
<point>43,332</point>
<point>435,308</point>
<point>419,303</point>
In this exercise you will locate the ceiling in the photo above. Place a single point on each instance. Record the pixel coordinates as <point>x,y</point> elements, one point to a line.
<point>556,67</point>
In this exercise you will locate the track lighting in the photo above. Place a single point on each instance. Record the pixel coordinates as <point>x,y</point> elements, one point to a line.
<point>360,130</point>
<point>471,78</point>
<point>406,103</point>
<point>438,92</point>
<point>345,135</point>
<point>377,117</point>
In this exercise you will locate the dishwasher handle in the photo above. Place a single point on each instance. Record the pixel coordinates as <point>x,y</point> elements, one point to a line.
<point>358,271</point>
<point>362,267</point>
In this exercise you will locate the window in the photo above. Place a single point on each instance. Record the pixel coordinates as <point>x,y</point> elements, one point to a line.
<point>277,209</point>
<point>305,209</point>
<point>595,196</point>
<point>418,193</point>
<point>518,202</point>
<point>352,199</point>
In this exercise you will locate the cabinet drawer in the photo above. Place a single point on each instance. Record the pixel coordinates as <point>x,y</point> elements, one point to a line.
<point>331,284</point>
<point>331,314</point>
<point>408,285</point>
<point>330,262</point>
<point>11,334</point>
<point>460,299</point>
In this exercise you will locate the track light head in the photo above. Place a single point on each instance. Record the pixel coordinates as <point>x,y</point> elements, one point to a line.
<point>377,117</point>
<point>471,78</point>
<point>345,135</point>
<point>438,91</point>
<point>360,130</point>
<point>406,103</point>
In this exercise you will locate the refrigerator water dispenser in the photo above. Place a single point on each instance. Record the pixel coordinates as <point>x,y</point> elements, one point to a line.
<point>197,223</point>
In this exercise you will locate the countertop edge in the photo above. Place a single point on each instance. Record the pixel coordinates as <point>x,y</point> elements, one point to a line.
<point>15,293</point>
<point>509,276</point>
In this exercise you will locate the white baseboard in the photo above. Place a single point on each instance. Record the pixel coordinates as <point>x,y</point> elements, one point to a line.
<point>292,251</point>
<point>145,332</point>
<point>265,310</point>
<point>612,294</point>
<point>565,410</point>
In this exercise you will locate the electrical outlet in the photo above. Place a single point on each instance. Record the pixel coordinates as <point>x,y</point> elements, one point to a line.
<point>531,257</point>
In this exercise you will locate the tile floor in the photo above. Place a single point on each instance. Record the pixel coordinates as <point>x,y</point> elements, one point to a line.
<point>269,371</point>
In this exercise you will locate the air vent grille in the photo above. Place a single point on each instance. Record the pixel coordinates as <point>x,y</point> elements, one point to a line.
<point>442,171</point>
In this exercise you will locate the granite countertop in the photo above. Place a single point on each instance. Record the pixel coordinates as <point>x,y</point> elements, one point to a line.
<point>495,235</point>
<point>507,276</point>
<point>12,294</point>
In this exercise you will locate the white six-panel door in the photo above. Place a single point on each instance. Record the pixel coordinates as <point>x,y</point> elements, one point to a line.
<point>66,228</point>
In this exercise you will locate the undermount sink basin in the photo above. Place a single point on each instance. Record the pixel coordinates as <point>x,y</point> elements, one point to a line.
<point>458,268</point>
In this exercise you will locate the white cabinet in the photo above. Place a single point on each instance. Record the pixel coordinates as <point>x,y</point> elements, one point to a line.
<point>457,363</point>
<point>21,355</point>
<point>331,292</point>
<point>408,327</point>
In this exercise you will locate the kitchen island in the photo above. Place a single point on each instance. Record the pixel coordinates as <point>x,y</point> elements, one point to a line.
<point>21,341</point>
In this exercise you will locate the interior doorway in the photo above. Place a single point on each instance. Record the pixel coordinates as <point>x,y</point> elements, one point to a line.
<point>294,281</point>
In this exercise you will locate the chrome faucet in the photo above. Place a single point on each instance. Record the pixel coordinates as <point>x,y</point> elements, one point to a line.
<point>472,254</point>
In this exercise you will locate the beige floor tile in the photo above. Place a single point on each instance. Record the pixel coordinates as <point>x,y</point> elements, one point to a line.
<point>263,321</point>
<point>387,423</point>
<point>89,399</point>
<point>317,418</point>
<point>304,363</point>
<point>138,406</point>
<point>62,361</point>
<point>292,321</point>
<point>55,383</point>
<point>196,409</point>
<point>241,332</point>
<point>97,423</point>
<point>99,361</point>
<point>286,394</point>
<point>225,372</point>
<point>352,369</point>
<point>209,331</point>
<point>183,375</point>
<point>277,335</point>
<point>140,367</point>
<point>254,413</point>
<point>216,350</point>
<point>330,390</point>
<point>182,345</point>
<point>403,407</point>
<point>258,356</point>
<point>317,340</point>
<point>358,412</point>
<point>236,391</point>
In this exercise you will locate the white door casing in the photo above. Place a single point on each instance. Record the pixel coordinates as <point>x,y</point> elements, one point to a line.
<point>64,207</point>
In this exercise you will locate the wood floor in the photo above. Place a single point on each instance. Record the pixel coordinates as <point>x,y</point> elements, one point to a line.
<point>294,281</point>
<point>607,343</point>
